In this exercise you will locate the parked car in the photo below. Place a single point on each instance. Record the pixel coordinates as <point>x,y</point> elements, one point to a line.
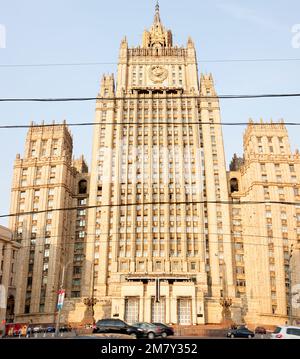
<point>286,332</point>
<point>116,326</point>
<point>50,329</point>
<point>260,330</point>
<point>240,332</point>
<point>149,330</point>
<point>65,329</point>
<point>166,329</point>
<point>37,329</point>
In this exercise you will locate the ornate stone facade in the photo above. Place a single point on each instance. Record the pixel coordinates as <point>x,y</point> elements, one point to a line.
<point>44,180</point>
<point>144,177</point>
<point>265,231</point>
<point>158,229</point>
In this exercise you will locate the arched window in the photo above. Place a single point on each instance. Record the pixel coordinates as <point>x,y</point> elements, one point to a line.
<point>234,185</point>
<point>82,187</point>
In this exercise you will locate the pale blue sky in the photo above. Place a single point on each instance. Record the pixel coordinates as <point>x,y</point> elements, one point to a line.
<point>90,31</point>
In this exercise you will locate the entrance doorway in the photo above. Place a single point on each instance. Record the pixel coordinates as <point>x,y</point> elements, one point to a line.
<point>184,311</point>
<point>132,310</point>
<point>158,310</point>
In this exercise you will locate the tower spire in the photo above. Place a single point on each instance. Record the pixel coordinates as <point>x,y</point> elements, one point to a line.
<point>157,36</point>
<point>157,15</point>
<point>157,6</point>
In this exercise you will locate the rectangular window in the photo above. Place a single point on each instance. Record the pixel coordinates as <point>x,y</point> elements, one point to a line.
<point>51,192</point>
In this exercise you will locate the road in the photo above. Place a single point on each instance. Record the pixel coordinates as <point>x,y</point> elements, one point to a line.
<point>116,336</point>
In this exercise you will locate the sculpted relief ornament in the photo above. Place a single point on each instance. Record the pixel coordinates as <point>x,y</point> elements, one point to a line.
<point>158,73</point>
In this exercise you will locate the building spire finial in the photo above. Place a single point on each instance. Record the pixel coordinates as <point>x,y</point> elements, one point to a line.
<point>157,15</point>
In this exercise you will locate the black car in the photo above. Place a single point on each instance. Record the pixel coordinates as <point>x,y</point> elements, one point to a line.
<point>65,329</point>
<point>149,330</point>
<point>240,332</point>
<point>116,326</point>
<point>167,331</point>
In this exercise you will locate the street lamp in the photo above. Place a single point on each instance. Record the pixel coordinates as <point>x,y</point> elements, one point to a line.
<point>225,300</point>
<point>90,302</point>
<point>61,293</point>
<point>290,287</point>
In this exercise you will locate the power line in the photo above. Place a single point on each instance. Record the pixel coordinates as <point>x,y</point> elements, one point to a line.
<point>124,98</point>
<point>62,245</point>
<point>289,203</point>
<point>160,123</point>
<point>203,241</point>
<point>77,64</point>
<point>178,218</point>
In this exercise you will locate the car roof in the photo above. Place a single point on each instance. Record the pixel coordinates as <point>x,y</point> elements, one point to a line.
<point>289,326</point>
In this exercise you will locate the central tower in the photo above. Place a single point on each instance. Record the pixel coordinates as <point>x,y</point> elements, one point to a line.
<point>156,248</point>
<point>157,65</point>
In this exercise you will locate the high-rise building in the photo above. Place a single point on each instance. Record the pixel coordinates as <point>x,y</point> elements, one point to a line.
<point>265,231</point>
<point>156,174</point>
<point>44,180</point>
<point>158,230</point>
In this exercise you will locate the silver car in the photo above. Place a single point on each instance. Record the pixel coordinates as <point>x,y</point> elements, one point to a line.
<point>286,332</point>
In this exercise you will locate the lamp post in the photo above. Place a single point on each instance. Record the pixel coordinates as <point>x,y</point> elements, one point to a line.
<point>90,302</point>
<point>225,300</point>
<point>61,293</point>
<point>290,287</point>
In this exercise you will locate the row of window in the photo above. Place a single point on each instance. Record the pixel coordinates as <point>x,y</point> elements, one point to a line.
<point>38,170</point>
<point>158,266</point>
<point>44,148</point>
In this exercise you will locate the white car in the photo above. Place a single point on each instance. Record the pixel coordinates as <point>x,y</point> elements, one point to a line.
<point>286,332</point>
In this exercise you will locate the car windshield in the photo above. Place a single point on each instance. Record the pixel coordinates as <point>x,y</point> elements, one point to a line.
<point>277,330</point>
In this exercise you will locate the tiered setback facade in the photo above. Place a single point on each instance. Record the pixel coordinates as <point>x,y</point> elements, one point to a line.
<point>157,233</point>
<point>44,180</point>
<point>263,233</point>
<point>153,166</point>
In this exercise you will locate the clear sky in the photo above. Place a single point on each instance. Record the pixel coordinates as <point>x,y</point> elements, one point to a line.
<point>73,31</point>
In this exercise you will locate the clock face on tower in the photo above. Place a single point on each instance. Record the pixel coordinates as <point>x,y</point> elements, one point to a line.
<point>158,73</point>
